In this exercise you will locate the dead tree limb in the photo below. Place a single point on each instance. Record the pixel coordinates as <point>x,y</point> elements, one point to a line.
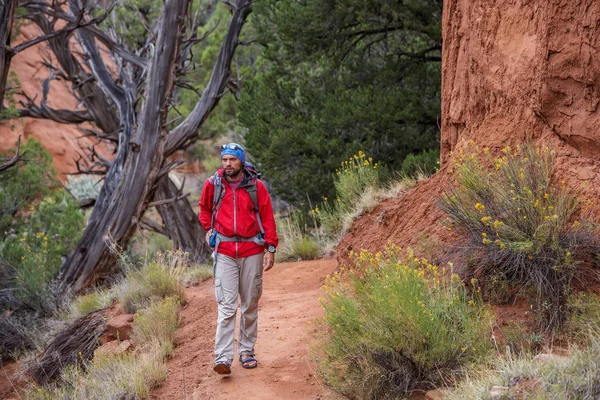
<point>74,345</point>
<point>7,17</point>
<point>188,129</point>
<point>15,159</point>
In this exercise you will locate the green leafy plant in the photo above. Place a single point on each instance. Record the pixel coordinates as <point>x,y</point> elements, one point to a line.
<point>154,281</point>
<point>426,162</point>
<point>396,323</point>
<point>34,251</point>
<point>355,183</point>
<point>517,227</point>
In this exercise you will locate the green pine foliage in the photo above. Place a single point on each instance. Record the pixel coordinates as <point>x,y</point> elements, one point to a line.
<point>336,78</point>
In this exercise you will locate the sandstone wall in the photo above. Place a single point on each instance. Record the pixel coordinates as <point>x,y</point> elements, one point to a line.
<point>519,70</point>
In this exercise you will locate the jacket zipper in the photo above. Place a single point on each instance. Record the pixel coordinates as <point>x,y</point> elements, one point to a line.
<point>235,222</point>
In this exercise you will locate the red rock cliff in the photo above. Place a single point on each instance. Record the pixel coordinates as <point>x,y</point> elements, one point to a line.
<point>512,71</point>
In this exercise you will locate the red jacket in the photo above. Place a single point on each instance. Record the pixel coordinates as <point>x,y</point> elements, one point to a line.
<point>241,221</point>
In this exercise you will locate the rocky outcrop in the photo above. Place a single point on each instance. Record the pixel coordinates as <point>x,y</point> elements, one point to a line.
<point>513,71</point>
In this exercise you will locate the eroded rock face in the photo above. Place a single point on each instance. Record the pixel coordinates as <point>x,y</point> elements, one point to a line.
<point>517,70</point>
<point>513,71</point>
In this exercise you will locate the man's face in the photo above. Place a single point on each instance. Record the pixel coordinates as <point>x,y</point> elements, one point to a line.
<point>232,166</point>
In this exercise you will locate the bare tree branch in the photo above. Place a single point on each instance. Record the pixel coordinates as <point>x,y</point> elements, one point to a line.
<point>221,72</point>
<point>168,201</point>
<point>15,159</point>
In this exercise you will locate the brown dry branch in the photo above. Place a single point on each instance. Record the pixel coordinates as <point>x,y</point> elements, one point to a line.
<point>74,345</point>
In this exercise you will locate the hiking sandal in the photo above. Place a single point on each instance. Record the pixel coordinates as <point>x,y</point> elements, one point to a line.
<point>248,361</point>
<point>222,368</point>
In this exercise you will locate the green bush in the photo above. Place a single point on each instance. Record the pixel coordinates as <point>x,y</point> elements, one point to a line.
<point>356,176</point>
<point>427,162</point>
<point>517,227</point>
<point>154,281</point>
<point>36,248</point>
<point>22,185</point>
<point>399,323</point>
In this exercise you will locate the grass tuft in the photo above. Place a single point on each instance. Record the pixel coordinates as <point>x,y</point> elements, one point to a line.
<point>154,281</point>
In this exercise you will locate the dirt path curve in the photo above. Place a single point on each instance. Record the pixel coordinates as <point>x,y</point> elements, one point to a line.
<point>289,302</point>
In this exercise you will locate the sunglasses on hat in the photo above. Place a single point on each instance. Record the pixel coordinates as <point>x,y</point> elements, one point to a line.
<point>232,146</point>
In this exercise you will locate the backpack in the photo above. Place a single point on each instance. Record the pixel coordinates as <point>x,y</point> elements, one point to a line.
<point>251,190</point>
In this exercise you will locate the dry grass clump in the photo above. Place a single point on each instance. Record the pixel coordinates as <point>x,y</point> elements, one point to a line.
<point>154,281</point>
<point>576,377</point>
<point>296,239</point>
<point>518,228</point>
<point>154,326</point>
<point>122,376</point>
<point>197,274</point>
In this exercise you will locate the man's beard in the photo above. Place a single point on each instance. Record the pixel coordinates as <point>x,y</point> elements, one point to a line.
<point>233,173</point>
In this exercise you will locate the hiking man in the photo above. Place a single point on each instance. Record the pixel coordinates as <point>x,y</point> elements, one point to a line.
<point>237,214</point>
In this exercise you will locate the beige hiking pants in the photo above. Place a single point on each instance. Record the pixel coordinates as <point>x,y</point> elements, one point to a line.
<point>233,276</point>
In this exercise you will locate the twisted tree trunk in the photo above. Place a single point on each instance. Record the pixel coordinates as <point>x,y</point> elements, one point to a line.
<point>130,182</point>
<point>181,223</point>
<point>7,16</point>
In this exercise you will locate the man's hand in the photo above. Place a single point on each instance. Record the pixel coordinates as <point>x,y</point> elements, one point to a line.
<point>208,233</point>
<point>268,261</point>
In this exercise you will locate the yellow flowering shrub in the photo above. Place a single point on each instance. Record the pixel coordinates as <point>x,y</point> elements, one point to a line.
<point>395,322</point>
<point>516,225</point>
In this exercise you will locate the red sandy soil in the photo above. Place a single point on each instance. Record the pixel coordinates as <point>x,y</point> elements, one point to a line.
<point>287,308</point>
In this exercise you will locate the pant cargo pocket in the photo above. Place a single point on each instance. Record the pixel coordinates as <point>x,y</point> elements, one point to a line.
<point>218,291</point>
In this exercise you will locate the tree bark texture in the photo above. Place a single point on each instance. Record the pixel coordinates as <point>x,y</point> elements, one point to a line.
<point>102,112</point>
<point>181,222</point>
<point>7,16</point>
<point>130,182</point>
<point>129,186</point>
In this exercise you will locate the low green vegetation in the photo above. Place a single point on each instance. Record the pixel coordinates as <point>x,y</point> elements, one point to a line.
<point>395,323</point>
<point>299,237</point>
<point>129,375</point>
<point>520,231</point>
<point>154,292</point>
<point>572,377</point>
<point>155,279</point>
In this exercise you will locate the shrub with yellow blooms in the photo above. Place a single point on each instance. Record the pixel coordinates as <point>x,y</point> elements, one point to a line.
<point>517,226</point>
<point>396,323</point>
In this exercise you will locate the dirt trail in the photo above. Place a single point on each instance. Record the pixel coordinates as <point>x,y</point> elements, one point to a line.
<point>289,302</point>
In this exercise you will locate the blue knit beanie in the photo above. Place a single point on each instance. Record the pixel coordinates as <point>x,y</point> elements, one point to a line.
<point>235,150</point>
